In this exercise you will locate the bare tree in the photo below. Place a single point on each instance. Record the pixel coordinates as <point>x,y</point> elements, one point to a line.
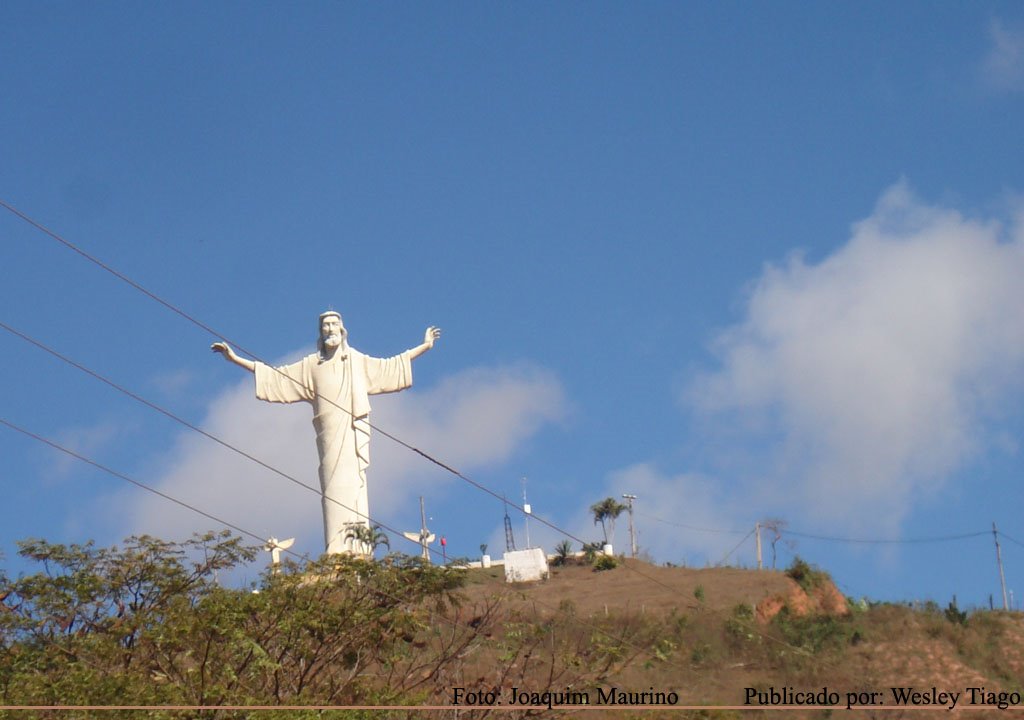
<point>776,527</point>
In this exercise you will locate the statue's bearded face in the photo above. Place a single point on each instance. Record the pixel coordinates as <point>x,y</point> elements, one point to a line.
<point>332,332</point>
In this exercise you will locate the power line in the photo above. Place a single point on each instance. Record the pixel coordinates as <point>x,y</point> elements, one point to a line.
<point>875,541</point>
<point>887,541</point>
<point>736,548</point>
<point>122,476</point>
<point>1015,542</point>
<point>96,261</point>
<point>692,527</point>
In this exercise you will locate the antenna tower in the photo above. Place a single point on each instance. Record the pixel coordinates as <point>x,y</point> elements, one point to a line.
<point>510,542</point>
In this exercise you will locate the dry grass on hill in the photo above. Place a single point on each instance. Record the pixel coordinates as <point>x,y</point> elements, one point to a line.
<point>709,634</point>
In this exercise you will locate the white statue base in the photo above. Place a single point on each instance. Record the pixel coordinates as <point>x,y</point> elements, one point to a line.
<point>526,565</point>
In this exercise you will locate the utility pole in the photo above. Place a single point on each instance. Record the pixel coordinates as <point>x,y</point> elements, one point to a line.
<point>632,531</point>
<point>526,515</point>
<point>999,560</point>
<point>757,534</point>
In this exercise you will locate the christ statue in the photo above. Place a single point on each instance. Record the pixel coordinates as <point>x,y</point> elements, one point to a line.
<point>336,381</point>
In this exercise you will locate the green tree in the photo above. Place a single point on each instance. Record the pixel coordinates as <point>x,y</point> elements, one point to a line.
<point>148,624</point>
<point>369,538</point>
<point>605,512</point>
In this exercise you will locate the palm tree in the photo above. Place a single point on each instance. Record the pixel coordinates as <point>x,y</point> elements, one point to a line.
<point>605,513</point>
<point>562,552</point>
<point>366,537</point>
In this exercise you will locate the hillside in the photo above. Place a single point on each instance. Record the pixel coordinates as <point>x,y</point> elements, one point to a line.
<point>710,634</point>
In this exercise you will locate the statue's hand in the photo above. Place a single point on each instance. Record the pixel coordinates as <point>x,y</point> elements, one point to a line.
<point>432,334</point>
<point>231,356</point>
<point>224,349</point>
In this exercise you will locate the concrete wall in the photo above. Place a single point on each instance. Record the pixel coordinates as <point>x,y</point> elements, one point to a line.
<point>526,565</point>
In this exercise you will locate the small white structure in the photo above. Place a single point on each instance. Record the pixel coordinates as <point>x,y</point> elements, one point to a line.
<point>274,547</point>
<point>424,537</point>
<point>526,565</point>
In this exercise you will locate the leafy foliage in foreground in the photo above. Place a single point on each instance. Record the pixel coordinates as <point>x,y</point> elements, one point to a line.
<point>148,624</point>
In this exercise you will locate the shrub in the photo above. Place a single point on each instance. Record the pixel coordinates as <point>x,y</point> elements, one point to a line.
<point>815,633</point>
<point>591,550</point>
<point>805,575</point>
<point>739,627</point>
<point>955,615</point>
<point>563,551</point>
<point>605,562</point>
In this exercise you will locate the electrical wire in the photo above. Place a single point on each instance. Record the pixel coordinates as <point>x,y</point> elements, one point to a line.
<point>1015,542</point>
<point>691,527</point>
<point>888,541</point>
<point>879,541</point>
<point>122,476</point>
<point>722,561</point>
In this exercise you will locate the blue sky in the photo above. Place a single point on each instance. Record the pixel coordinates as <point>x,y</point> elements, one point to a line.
<point>746,261</point>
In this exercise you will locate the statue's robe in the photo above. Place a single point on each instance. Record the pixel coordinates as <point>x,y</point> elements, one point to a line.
<point>342,435</point>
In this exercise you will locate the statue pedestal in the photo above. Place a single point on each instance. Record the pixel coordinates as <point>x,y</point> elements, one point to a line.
<point>526,565</point>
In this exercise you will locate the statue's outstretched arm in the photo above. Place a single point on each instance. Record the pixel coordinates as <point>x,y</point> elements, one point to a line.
<point>230,355</point>
<point>432,334</point>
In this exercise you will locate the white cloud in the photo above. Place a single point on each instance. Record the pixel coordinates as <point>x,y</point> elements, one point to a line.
<point>87,441</point>
<point>173,382</point>
<point>470,420</point>
<point>1004,64</point>
<point>878,366</point>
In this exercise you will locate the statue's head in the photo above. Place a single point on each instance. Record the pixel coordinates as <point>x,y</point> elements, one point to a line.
<point>332,331</point>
